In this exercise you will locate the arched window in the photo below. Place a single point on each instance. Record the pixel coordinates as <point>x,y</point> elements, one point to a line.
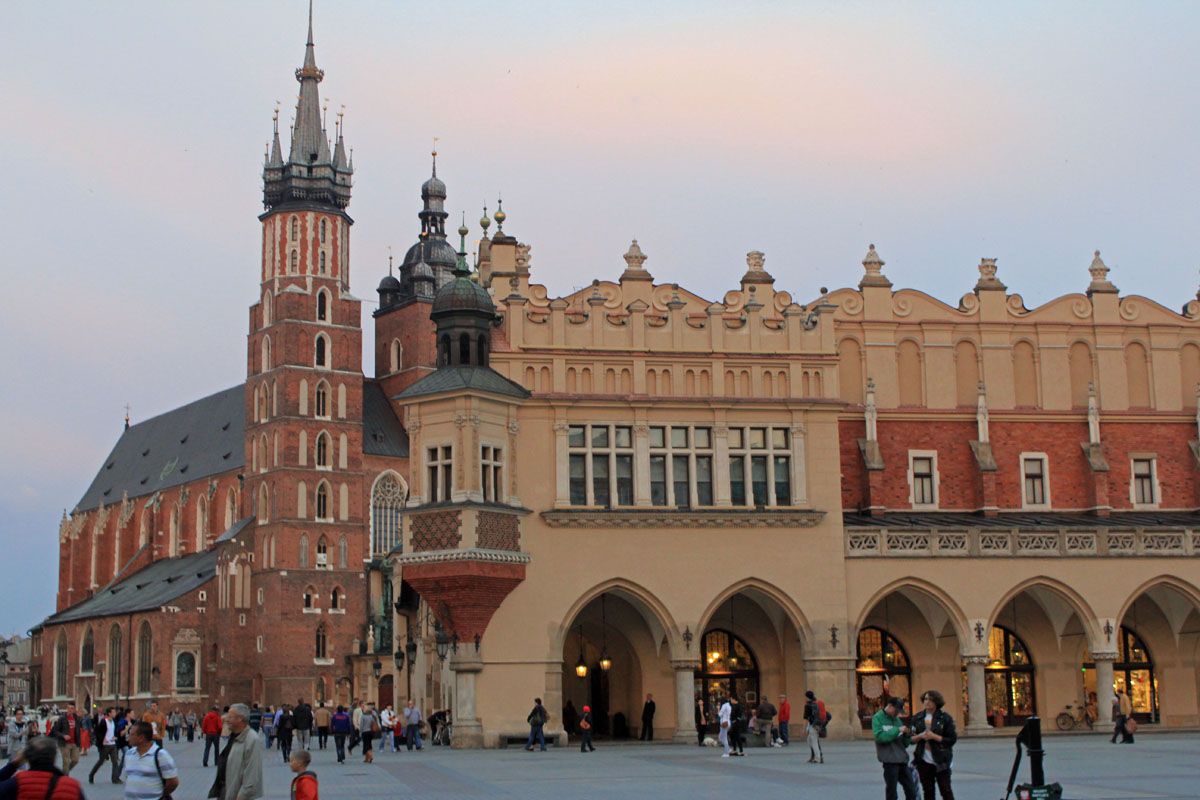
<point>319,651</point>
<point>1009,674</point>
<point>304,552</point>
<point>262,453</point>
<point>310,597</point>
<point>322,299</point>
<point>173,549</point>
<point>883,671</point>
<point>115,654</point>
<point>147,525</point>
<point>336,598</point>
<point>322,231</point>
<point>266,353</point>
<point>1133,673</point>
<point>322,358</point>
<point>230,508</point>
<point>262,503</point>
<point>343,553</point>
<point>1025,377</point>
<point>322,459</point>
<point>266,309</point>
<point>850,380</point>
<point>482,350</point>
<point>464,349</point>
<point>295,262</point>
<point>443,351</point>
<point>387,504</point>
<point>322,553</point>
<point>1079,365</point>
<point>726,665</point>
<point>87,652</point>
<point>323,500</point>
<point>60,665</point>
<point>201,522</point>
<point>397,356</point>
<point>322,401</point>
<point>185,672</point>
<point>321,262</point>
<point>295,229</point>
<point>144,661</point>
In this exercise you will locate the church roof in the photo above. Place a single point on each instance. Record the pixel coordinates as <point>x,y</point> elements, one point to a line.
<point>459,378</point>
<point>147,589</point>
<point>383,435</point>
<point>204,437</point>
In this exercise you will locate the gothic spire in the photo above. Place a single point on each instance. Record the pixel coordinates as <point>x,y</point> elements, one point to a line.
<point>308,138</point>
<point>276,159</point>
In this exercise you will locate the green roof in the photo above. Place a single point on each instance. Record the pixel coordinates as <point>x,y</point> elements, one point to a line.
<point>461,378</point>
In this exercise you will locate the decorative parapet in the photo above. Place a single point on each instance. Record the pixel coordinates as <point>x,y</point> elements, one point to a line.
<point>670,518</point>
<point>472,554</point>
<point>989,542</point>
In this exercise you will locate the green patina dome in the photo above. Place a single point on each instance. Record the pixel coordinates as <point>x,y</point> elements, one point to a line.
<point>463,294</point>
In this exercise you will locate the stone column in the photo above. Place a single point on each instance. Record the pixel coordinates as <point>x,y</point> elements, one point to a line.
<point>832,678</point>
<point>1104,688</point>
<point>552,699</point>
<point>468,732</point>
<point>977,696</point>
<point>685,700</point>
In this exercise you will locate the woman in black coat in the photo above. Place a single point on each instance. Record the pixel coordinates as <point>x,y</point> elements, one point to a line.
<point>701,721</point>
<point>934,735</point>
<point>284,731</point>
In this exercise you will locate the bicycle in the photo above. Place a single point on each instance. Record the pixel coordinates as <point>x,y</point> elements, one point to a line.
<point>1068,719</point>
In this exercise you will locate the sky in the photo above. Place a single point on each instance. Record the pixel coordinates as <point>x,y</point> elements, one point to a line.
<point>1033,133</point>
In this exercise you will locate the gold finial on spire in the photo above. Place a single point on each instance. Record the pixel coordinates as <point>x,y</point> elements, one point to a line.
<point>389,259</point>
<point>126,420</point>
<point>499,216</point>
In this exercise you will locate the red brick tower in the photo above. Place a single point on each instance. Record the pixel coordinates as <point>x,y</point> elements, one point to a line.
<point>304,604</point>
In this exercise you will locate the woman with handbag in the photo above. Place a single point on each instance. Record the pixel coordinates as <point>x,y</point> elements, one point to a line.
<point>368,728</point>
<point>934,735</point>
<point>285,725</point>
<point>585,728</point>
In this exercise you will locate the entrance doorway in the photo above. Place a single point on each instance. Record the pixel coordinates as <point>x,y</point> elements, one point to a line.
<point>1133,673</point>
<point>727,665</point>
<point>883,671</point>
<point>1011,698</point>
<point>386,692</point>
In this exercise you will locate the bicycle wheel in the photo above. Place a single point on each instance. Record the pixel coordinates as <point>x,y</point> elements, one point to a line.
<point>1065,721</point>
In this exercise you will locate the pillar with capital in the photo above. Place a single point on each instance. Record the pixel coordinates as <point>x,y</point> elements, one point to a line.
<point>977,696</point>
<point>685,700</point>
<point>1104,688</point>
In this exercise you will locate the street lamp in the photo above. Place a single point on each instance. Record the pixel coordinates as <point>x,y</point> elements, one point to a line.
<point>442,641</point>
<point>377,668</point>
<point>398,655</point>
<point>581,668</point>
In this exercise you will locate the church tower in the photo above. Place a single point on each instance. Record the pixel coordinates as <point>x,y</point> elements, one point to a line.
<point>304,387</point>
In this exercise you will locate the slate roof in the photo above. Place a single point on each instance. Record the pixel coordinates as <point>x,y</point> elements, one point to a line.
<point>235,529</point>
<point>453,379</point>
<point>147,589</point>
<point>918,520</point>
<point>383,435</point>
<point>202,438</point>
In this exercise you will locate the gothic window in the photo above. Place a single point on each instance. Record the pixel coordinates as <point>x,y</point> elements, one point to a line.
<point>336,599</point>
<point>60,665</point>
<point>601,465</point>
<point>322,402</point>
<point>262,503</point>
<point>321,263</point>
<point>440,467</point>
<point>322,299</point>
<point>322,356</point>
<point>185,671</point>
<point>262,453</point>
<point>323,501</point>
<point>87,652</point>
<point>397,355</point>
<point>230,508</point>
<point>320,643</point>
<point>145,640</point>
<point>387,504</point>
<point>266,353</point>
<point>322,231</point>
<point>304,552</point>
<point>115,653</point>
<point>310,598</point>
<point>295,264</point>
<point>173,544</point>
<point>295,229</point>
<point>147,525</point>
<point>266,309</point>
<point>491,467</point>
<point>201,521</point>
<point>322,460</point>
<point>464,349</point>
<point>322,553</point>
<point>343,553</point>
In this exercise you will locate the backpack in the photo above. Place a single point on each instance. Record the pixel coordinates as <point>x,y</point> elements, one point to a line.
<point>540,716</point>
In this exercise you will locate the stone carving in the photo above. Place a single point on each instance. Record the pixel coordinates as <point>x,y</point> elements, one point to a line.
<point>514,427</point>
<point>667,518</point>
<point>523,257</point>
<point>901,306</point>
<point>634,257</point>
<point>126,511</point>
<point>1081,543</point>
<point>1093,415</point>
<point>981,414</point>
<point>1130,309</point>
<point>864,542</point>
<point>1037,542</point>
<point>907,542</point>
<point>872,413</point>
<point>561,427</point>
<point>853,304</point>
<point>995,543</point>
<point>1122,543</point>
<point>952,543</point>
<point>755,260</point>
<point>1162,542</point>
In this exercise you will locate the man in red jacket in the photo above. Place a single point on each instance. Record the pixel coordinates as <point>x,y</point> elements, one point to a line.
<point>42,779</point>
<point>210,726</point>
<point>785,716</point>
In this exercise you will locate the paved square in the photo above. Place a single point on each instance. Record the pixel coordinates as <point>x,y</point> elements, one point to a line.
<point>1158,766</point>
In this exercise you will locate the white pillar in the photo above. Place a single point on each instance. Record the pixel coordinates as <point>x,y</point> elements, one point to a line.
<point>1104,688</point>
<point>468,732</point>
<point>977,696</point>
<point>685,701</point>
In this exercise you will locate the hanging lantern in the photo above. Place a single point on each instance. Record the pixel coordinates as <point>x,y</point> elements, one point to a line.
<point>581,667</point>
<point>605,661</point>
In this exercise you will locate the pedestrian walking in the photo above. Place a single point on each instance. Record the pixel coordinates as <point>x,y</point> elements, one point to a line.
<point>18,732</point>
<point>934,734</point>
<point>340,724</point>
<point>106,743</point>
<point>42,779</point>
<point>158,721</point>
<point>387,721</point>
<point>368,729</point>
<point>891,748</point>
<point>304,785</point>
<point>268,726</point>
<point>285,728</point>
<point>764,717</point>
<point>537,721</point>
<point>701,721</point>
<point>1122,711</point>
<point>412,726</point>
<point>124,725</point>
<point>321,717</point>
<point>814,721</point>
<point>737,726</point>
<point>355,718</point>
<point>239,766</point>
<point>174,724</point>
<point>302,722</point>
<point>210,726</point>
<point>68,732</point>
<point>725,715</point>
<point>148,770</point>
<point>785,717</point>
<point>585,731</point>
<point>85,739</point>
<point>648,719</point>
<point>190,720</point>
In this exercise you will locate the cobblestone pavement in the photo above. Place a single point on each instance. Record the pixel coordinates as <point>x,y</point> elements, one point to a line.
<point>1159,765</point>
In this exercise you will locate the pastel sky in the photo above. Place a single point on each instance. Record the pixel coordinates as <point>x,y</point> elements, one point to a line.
<point>1033,132</point>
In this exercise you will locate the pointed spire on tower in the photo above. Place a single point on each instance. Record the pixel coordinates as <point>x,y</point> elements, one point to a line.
<point>308,137</point>
<point>275,161</point>
<point>461,270</point>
